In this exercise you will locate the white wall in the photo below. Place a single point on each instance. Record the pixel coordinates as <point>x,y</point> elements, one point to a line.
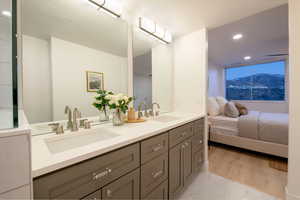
<point>142,80</point>
<point>216,82</point>
<point>190,72</point>
<point>293,192</point>
<point>162,76</point>
<point>37,98</point>
<point>69,65</point>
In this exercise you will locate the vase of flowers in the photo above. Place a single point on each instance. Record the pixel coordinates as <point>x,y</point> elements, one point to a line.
<point>101,104</point>
<point>119,103</point>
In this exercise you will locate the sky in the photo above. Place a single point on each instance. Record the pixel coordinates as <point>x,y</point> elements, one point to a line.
<point>269,68</point>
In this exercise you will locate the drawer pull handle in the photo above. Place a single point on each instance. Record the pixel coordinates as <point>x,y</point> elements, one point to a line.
<point>102,174</point>
<point>108,193</point>
<point>157,148</point>
<point>183,134</point>
<point>200,142</point>
<point>157,174</point>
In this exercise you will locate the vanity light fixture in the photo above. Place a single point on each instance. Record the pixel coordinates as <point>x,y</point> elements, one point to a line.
<point>155,30</point>
<point>247,57</point>
<point>108,6</point>
<point>237,36</point>
<point>6,13</point>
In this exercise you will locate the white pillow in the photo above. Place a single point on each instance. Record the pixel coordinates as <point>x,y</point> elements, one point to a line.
<point>213,107</point>
<point>222,102</point>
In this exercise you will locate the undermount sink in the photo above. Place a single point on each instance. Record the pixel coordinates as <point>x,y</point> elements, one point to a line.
<point>166,118</point>
<point>61,143</point>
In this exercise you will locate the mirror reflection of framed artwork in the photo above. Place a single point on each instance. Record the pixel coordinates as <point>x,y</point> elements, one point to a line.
<point>94,81</point>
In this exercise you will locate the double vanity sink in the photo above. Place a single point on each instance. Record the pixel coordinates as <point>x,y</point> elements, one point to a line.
<point>156,159</point>
<point>68,141</point>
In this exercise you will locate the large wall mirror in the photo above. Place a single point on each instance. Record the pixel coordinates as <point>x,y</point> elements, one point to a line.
<point>152,71</point>
<point>70,49</point>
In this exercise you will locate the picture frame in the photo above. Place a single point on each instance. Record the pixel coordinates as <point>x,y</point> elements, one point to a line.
<point>94,81</point>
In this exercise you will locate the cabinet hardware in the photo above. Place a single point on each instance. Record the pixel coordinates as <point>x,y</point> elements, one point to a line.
<point>183,134</point>
<point>157,148</point>
<point>157,174</point>
<point>102,174</point>
<point>186,144</point>
<point>200,142</point>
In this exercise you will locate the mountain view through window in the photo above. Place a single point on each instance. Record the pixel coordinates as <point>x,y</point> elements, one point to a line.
<point>262,82</point>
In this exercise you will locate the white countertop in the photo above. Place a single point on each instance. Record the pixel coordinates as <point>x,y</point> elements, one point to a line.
<point>43,161</point>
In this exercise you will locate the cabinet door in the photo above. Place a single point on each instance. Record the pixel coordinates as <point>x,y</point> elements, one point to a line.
<point>187,161</point>
<point>197,162</point>
<point>160,193</point>
<point>127,187</point>
<point>175,170</point>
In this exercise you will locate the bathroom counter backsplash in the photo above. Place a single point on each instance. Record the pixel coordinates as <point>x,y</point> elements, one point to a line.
<point>46,159</point>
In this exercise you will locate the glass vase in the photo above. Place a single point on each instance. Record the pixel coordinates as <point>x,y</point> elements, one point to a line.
<point>103,116</point>
<point>118,117</point>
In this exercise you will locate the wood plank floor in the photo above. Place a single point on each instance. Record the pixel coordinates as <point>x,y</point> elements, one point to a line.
<point>248,168</point>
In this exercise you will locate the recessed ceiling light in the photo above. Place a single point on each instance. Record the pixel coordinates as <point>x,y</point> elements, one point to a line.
<point>247,57</point>
<point>6,13</point>
<point>237,36</point>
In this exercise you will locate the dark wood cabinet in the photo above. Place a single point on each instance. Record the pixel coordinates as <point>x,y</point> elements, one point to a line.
<point>127,187</point>
<point>160,193</point>
<point>181,168</point>
<point>160,167</point>
<point>187,161</point>
<point>94,196</point>
<point>175,171</point>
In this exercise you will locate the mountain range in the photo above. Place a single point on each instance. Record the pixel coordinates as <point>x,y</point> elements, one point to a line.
<point>258,80</point>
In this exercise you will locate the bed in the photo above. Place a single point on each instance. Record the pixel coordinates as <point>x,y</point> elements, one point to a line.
<point>257,131</point>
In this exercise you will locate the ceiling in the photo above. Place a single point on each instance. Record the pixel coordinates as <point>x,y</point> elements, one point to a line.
<point>264,33</point>
<point>185,16</point>
<point>73,19</point>
<point>76,21</point>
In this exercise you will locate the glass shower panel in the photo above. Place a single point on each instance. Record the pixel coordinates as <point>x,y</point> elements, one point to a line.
<point>7,84</point>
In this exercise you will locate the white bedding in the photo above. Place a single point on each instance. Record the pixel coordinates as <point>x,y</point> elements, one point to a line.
<point>223,124</point>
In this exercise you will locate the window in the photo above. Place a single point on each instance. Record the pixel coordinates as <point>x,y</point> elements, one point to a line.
<point>261,82</point>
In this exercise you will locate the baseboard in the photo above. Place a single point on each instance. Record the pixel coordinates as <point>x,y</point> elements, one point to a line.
<point>290,196</point>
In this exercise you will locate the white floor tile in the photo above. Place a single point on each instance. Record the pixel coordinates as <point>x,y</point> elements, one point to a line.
<point>208,186</point>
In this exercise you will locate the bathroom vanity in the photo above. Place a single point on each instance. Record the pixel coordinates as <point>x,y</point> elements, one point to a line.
<point>152,160</point>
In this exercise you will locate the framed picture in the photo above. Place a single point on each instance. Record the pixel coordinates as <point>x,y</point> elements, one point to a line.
<point>94,81</point>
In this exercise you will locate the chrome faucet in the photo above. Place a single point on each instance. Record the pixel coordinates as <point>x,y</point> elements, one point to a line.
<point>140,113</point>
<point>68,112</point>
<point>76,115</point>
<point>152,109</point>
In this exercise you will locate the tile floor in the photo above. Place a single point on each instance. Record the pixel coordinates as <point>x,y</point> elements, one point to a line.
<point>208,186</point>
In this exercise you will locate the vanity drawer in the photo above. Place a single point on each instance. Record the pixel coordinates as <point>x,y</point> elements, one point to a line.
<point>154,147</point>
<point>179,134</point>
<point>199,127</point>
<point>84,178</point>
<point>153,174</point>
<point>198,159</point>
<point>197,143</point>
<point>94,196</point>
<point>127,188</point>
<point>159,193</point>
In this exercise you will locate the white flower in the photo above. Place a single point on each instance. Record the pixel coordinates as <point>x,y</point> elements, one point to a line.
<point>125,98</point>
<point>109,97</point>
